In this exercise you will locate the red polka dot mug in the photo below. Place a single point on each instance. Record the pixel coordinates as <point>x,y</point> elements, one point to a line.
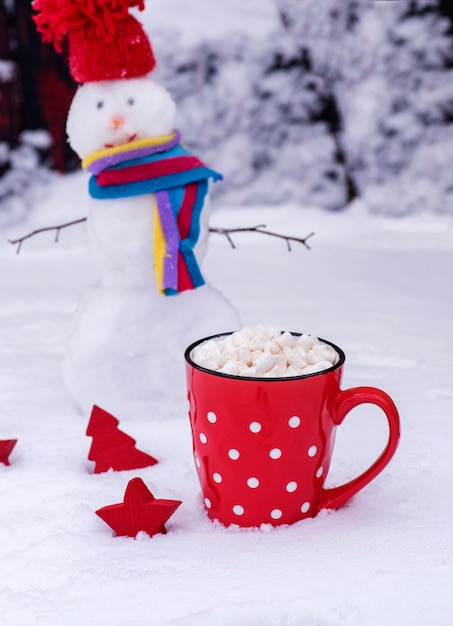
<point>263,446</point>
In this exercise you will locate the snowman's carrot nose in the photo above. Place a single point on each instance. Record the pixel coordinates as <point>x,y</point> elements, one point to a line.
<point>117,121</point>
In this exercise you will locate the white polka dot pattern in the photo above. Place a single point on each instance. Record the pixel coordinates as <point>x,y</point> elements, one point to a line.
<point>253,482</point>
<point>284,501</point>
<point>255,427</point>
<point>294,422</point>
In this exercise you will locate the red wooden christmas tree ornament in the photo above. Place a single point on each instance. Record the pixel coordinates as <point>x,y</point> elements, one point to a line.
<point>111,448</point>
<point>140,511</point>
<point>6,447</point>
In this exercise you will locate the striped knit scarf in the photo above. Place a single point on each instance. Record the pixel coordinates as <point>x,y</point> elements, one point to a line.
<point>178,181</point>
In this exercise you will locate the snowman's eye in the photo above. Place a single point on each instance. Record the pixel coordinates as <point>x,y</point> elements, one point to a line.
<point>100,104</point>
<point>130,101</point>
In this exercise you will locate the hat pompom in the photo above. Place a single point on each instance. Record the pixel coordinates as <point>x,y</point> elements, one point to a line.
<point>105,41</point>
<point>56,18</point>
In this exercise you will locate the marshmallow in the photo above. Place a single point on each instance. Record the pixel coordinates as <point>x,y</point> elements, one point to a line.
<point>321,352</point>
<point>233,368</point>
<point>286,340</point>
<point>258,341</point>
<point>294,371</point>
<point>330,354</point>
<point>317,367</point>
<point>242,336</point>
<point>278,371</point>
<point>263,352</point>
<point>230,353</point>
<point>297,359</point>
<point>244,355</point>
<point>266,331</point>
<point>306,342</point>
<point>265,361</point>
<point>251,371</point>
<point>208,362</point>
<point>272,346</point>
<point>208,346</point>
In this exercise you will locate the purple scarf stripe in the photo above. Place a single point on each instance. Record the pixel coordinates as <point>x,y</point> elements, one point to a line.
<point>113,159</point>
<point>171,234</point>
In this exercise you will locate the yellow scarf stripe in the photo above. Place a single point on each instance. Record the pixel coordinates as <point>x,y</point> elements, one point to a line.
<point>159,248</point>
<point>124,148</point>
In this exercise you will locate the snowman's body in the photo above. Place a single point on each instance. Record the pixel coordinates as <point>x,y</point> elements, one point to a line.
<point>127,341</point>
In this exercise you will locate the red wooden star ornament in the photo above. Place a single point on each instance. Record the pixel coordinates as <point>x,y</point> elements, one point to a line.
<point>6,447</point>
<point>111,448</point>
<point>140,511</point>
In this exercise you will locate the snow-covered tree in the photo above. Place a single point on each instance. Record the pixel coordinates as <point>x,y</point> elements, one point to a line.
<point>388,67</point>
<point>315,101</point>
<point>254,109</point>
<point>343,99</point>
<point>402,150</point>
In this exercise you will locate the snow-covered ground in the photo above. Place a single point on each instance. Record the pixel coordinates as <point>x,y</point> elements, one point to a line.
<point>379,288</point>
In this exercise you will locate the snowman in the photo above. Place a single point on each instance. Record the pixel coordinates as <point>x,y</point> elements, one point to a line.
<point>147,216</point>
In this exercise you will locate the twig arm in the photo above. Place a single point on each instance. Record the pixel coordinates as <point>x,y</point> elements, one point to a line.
<point>260,229</point>
<point>20,240</point>
<point>227,232</point>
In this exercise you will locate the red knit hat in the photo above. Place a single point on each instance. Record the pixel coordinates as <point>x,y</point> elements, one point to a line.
<point>105,41</point>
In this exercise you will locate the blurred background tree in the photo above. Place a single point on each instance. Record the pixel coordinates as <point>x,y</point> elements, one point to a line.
<point>36,90</point>
<point>341,101</point>
<point>389,77</point>
<point>318,102</point>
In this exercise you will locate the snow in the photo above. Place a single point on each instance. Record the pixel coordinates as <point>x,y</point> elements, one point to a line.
<point>253,108</point>
<point>231,19</point>
<point>375,286</point>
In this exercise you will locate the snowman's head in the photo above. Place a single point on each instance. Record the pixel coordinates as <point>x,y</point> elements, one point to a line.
<point>114,112</point>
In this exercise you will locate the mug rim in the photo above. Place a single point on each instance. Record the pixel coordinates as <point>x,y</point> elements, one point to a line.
<point>191,362</point>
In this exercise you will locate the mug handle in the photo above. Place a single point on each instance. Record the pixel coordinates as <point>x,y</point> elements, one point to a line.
<point>338,496</point>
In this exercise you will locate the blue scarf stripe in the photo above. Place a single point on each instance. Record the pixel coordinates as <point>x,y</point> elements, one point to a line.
<point>176,196</point>
<point>194,233</point>
<point>187,245</point>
